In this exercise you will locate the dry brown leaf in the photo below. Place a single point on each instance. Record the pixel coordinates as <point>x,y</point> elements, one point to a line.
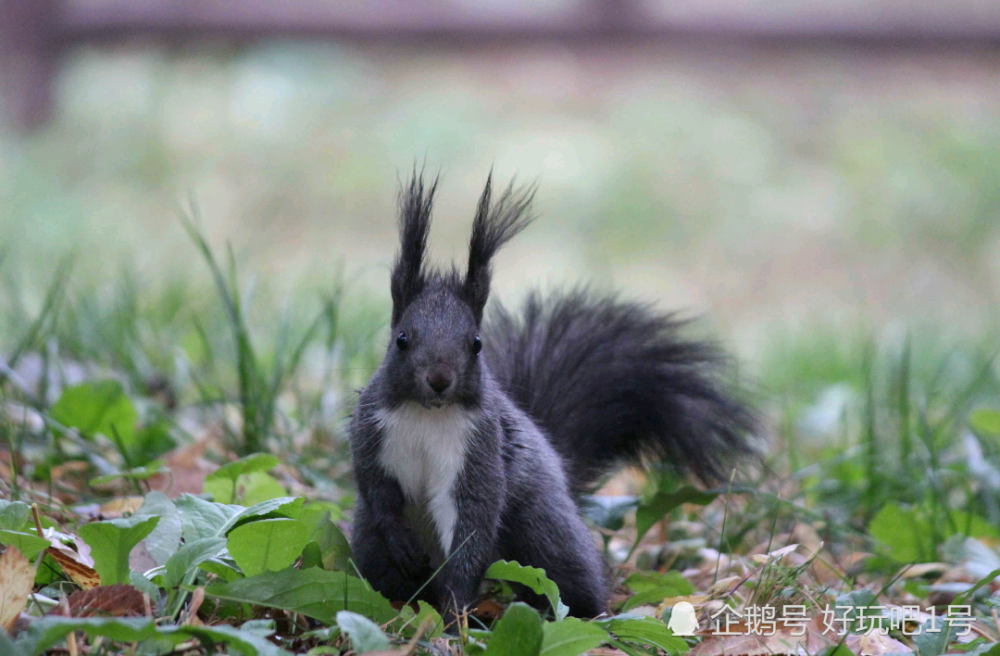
<point>875,644</point>
<point>118,507</point>
<point>781,643</point>
<point>17,577</point>
<point>77,563</point>
<point>116,600</point>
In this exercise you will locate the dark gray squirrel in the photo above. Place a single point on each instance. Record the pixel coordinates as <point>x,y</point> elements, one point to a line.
<point>474,438</point>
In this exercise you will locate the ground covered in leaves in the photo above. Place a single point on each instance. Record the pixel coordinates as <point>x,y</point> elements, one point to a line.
<point>174,480</point>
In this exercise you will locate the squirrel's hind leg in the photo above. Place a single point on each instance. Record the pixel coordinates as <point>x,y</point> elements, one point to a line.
<point>549,534</point>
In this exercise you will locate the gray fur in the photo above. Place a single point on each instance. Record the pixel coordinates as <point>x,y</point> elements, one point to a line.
<point>557,396</point>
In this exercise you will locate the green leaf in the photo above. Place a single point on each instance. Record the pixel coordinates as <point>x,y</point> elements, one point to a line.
<point>519,631</point>
<point>134,474</point>
<point>251,488</point>
<point>202,519</point>
<point>207,519</point>
<point>45,632</point>
<point>165,539</point>
<point>313,592</point>
<point>650,597</point>
<point>365,635</point>
<point>268,544</point>
<point>571,637</point>
<point>257,462</point>
<point>933,643</point>
<point>532,577</point>
<point>333,545</point>
<point>436,628</point>
<point>28,544</point>
<point>282,506</point>
<point>662,503</point>
<point>985,422</point>
<point>647,631</point>
<point>94,408</point>
<point>247,642</point>
<point>607,511</point>
<point>190,556</point>
<point>14,515</point>
<point>112,541</point>
<point>642,581</point>
<point>901,531</point>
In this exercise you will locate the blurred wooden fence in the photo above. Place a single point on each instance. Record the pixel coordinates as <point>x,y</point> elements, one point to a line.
<point>33,33</point>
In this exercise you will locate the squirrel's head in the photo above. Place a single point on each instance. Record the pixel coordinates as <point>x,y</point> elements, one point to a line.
<point>434,348</point>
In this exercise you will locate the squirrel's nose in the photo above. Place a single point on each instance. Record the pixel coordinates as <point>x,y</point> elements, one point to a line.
<point>440,379</point>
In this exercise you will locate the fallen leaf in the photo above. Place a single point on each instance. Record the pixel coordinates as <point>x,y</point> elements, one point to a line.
<point>77,563</point>
<point>875,644</point>
<point>106,600</point>
<point>17,576</point>
<point>780,642</point>
<point>776,555</point>
<point>118,507</point>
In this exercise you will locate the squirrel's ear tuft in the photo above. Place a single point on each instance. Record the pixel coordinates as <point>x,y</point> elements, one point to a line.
<point>408,273</point>
<point>495,224</point>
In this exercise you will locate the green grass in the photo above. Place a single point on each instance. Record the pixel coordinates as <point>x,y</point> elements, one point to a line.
<point>888,451</point>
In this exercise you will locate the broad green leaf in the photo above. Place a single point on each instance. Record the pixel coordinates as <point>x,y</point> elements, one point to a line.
<point>902,531</point>
<point>28,544</point>
<point>532,577</point>
<point>333,545</point>
<point>139,581</point>
<point>365,635</point>
<point>314,592</point>
<point>96,407</point>
<point>972,525</point>
<point>436,627</point>
<point>190,556</point>
<point>14,515</point>
<point>163,542</point>
<point>207,519</point>
<point>112,541</point>
<point>262,628</point>
<point>647,631</point>
<point>257,462</point>
<point>46,632</point>
<point>571,637</point>
<point>203,519</point>
<point>268,544</point>
<point>248,643</point>
<point>606,511</point>
<point>280,507</point>
<point>135,474</point>
<point>985,422</point>
<point>642,581</point>
<point>221,569</point>
<point>650,597</point>
<point>933,638</point>
<point>519,632</point>
<point>662,503</point>
<point>251,488</point>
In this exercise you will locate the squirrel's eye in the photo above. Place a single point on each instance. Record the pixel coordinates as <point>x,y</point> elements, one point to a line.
<point>477,345</point>
<point>401,341</point>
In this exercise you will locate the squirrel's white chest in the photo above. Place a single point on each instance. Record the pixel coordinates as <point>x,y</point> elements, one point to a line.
<point>424,449</point>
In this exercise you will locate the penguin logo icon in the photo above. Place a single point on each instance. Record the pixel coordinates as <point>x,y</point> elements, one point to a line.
<point>683,620</point>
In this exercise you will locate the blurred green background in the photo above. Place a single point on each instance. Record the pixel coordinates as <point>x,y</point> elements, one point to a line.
<point>804,199</point>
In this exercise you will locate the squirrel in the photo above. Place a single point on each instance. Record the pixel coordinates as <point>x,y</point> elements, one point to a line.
<point>474,439</point>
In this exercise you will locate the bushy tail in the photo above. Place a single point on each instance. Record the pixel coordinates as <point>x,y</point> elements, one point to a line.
<point>612,381</point>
